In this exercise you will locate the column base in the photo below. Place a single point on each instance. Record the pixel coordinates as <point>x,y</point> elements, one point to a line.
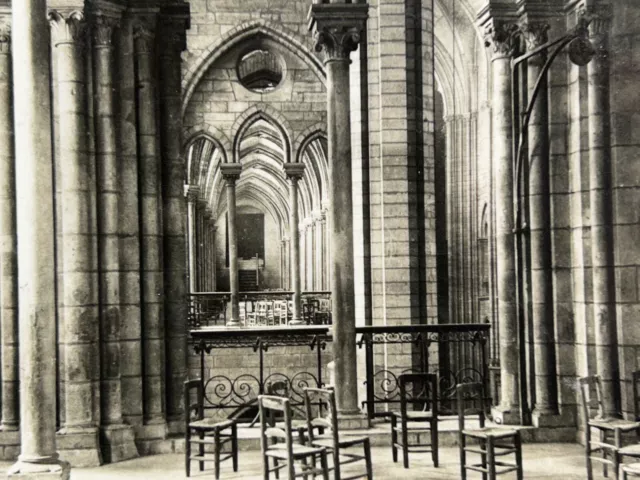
<point>27,471</point>
<point>152,430</point>
<point>544,417</point>
<point>234,322</point>
<point>80,446</point>
<point>506,415</point>
<point>118,443</point>
<point>296,321</point>
<point>176,425</point>
<point>353,421</point>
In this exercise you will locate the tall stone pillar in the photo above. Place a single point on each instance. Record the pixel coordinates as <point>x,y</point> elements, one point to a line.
<point>8,241</point>
<point>231,173</point>
<point>35,230</point>
<point>172,43</point>
<point>80,315</point>
<point>206,248</point>
<point>338,28</point>
<point>294,172</point>
<point>214,256</point>
<point>602,261</point>
<point>192,192</point>
<point>151,230</point>
<point>117,439</point>
<point>128,224</point>
<point>500,37</point>
<point>322,250</point>
<point>546,402</point>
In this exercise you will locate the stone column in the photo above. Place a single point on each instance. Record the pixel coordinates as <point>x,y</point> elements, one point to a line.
<point>214,256</point>
<point>540,233</point>
<point>231,173</point>
<point>285,262</point>
<point>317,250</point>
<point>302,242</point>
<point>294,172</point>
<point>118,439</point>
<point>604,302</point>
<point>322,250</point>
<point>80,316</point>
<point>338,28</point>
<point>35,230</point>
<point>151,231</point>
<point>501,38</point>
<point>206,248</point>
<point>172,43</point>
<point>8,241</point>
<point>129,225</point>
<point>192,192</point>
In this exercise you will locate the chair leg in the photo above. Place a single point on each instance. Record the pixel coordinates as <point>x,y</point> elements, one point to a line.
<point>336,463</point>
<point>434,443</point>
<point>463,457</point>
<point>588,459</point>
<point>276,468</point>
<point>394,439</point>
<point>187,452</point>
<point>201,451</point>
<point>325,465</point>
<point>234,446</point>
<point>483,458</point>
<point>367,459</point>
<point>605,469</point>
<point>518,445</point>
<point>216,453</point>
<point>265,467</point>
<point>491,459</point>
<point>405,444</point>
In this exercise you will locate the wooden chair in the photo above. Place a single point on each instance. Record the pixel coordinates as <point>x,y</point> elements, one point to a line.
<point>633,451</point>
<point>489,442</point>
<point>314,398</point>
<point>632,469</point>
<point>202,431</point>
<point>611,430</point>
<point>280,388</point>
<point>416,389</point>
<point>277,444</point>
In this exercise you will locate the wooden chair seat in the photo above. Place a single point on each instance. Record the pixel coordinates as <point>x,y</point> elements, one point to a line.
<point>211,423</point>
<point>630,450</point>
<point>614,424</point>
<point>428,415</point>
<point>279,451</point>
<point>496,432</point>
<point>343,442</point>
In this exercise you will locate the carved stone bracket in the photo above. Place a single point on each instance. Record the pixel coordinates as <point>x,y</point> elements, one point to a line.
<point>504,38</point>
<point>70,28</point>
<point>294,171</point>
<point>231,172</point>
<point>338,28</point>
<point>598,20</point>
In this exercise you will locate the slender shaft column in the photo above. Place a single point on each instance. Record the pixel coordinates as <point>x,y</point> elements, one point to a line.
<point>129,225</point>
<point>151,231</point>
<point>302,242</point>
<point>231,173</point>
<point>322,250</point>
<point>214,257</point>
<point>294,172</point>
<point>192,192</point>
<point>338,34</point>
<point>207,249</point>
<point>540,233</point>
<point>8,241</point>
<point>601,214</point>
<point>35,229</point>
<point>174,212</point>
<point>79,276</point>
<point>202,260</point>
<point>500,37</point>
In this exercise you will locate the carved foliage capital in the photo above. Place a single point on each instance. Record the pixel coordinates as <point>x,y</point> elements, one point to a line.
<point>192,192</point>
<point>503,38</point>
<point>70,28</point>
<point>337,42</point>
<point>5,34</point>
<point>144,33</point>
<point>535,34</point>
<point>231,172</point>
<point>102,29</point>
<point>598,20</point>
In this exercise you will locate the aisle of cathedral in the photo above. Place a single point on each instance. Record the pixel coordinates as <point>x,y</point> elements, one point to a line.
<point>384,163</point>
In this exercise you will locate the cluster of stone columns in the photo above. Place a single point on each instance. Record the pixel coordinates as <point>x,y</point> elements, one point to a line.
<point>504,38</point>
<point>120,223</point>
<point>314,247</point>
<point>201,229</point>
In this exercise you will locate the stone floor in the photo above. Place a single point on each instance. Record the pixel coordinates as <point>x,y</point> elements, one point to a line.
<point>561,461</point>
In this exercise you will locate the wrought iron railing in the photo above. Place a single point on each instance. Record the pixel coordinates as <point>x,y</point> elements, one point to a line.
<point>237,365</point>
<point>207,309</point>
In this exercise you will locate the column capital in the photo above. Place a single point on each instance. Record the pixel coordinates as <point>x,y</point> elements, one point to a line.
<point>503,37</point>
<point>535,33</point>
<point>338,28</point>
<point>67,27</point>
<point>598,19</point>
<point>294,171</point>
<point>173,35</point>
<point>144,31</point>
<point>231,172</point>
<point>103,26</point>
<point>319,216</point>
<point>192,192</point>
<point>5,34</point>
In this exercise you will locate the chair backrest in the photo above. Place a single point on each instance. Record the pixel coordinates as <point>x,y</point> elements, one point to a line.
<point>419,389</point>
<point>320,397</point>
<point>587,385</point>
<point>470,398</point>
<point>193,400</point>
<point>636,394</point>
<point>270,406</point>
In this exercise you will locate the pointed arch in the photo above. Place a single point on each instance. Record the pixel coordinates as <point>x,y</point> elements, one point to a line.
<point>261,111</point>
<point>238,34</point>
